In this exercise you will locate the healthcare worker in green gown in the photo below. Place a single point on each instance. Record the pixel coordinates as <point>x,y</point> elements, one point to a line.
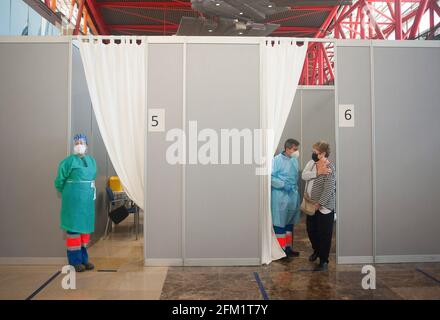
<point>76,182</point>
<point>285,196</point>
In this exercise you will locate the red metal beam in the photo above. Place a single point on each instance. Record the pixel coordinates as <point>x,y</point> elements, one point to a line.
<point>323,30</point>
<point>141,27</point>
<point>306,70</point>
<point>96,16</point>
<point>371,7</point>
<point>298,29</point>
<point>387,31</point>
<point>420,11</point>
<point>414,1</point>
<point>78,17</point>
<point>320,65</point>
<point>392,19</point>
<point>145,17</point>
<point>312,8</point>
<point>390,9</point>
<point>175,27</point>
<point>160,6</point>
<point>295,17</point>
<point>398,19</point>
<point>144,4</point>
<point>348,12</point>
<point>431,23</point>
<point>373,22</point>
<point>436,8</point>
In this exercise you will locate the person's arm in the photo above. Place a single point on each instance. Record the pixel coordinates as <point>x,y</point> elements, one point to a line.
<point>96,168</point>
<point>276,182</point>
<point>63,174</point>
<point>308,173</point>
<point>329,187</point>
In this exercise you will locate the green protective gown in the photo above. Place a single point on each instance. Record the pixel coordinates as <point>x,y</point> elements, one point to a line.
<point>76,182</point>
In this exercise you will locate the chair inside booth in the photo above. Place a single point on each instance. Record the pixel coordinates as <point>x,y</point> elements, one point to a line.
<point>119,206</point>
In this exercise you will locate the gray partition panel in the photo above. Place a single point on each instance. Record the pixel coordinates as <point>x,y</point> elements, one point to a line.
<point>407,112</point>
<point>163,214</point>
<point>318,121</point>
<point>293,129</point>
<point>222,201</point>
<point>34,101</point>
<point>354,185</point>
<point>293,123</point>
<point>312,118</point>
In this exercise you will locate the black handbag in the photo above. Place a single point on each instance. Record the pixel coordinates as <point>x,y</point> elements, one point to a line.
<point>119,214</point>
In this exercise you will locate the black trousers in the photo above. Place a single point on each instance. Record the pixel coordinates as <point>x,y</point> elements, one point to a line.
<point>320,232</point>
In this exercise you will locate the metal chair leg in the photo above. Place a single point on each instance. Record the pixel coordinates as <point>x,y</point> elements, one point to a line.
<point>106,227</point>
<point>136,218</point>
<point>109,222</point>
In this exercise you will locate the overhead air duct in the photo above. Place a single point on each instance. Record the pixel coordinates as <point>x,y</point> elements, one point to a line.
<point>230,18</point>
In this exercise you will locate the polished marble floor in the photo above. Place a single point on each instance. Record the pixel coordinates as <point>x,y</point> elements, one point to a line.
<point>294,279</point>
<point>120,274</point>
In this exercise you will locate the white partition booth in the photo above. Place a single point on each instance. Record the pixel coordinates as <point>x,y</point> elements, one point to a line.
<point>206,214</point>
<point>387,177</point>
<point>211,215</point>
<point>44,102</point>
<point>202,214</point>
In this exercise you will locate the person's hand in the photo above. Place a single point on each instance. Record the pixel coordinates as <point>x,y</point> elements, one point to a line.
<point>317,206</point>
<point>321,167</point>
<point>323,170</point>
<point>323,162</point>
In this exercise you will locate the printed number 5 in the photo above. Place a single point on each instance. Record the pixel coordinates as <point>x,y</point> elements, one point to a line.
<point>154,121</point>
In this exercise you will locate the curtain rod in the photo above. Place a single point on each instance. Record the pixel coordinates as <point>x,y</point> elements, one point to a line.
<point>209,39</point>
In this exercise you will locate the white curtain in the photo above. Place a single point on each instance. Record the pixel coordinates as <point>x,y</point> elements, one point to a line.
<point>116,77</point>
<point>283,61</point>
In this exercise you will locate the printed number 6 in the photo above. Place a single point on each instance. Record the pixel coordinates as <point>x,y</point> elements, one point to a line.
<point>347,114</point>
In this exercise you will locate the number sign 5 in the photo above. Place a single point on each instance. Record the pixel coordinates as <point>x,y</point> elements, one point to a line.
<point>156,120</point>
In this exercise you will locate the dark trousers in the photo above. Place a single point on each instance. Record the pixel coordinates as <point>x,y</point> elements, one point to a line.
<point>320,232</point>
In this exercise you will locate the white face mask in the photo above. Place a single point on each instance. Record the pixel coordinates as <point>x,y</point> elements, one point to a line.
<point>295,154</point>
<point>79,149</point>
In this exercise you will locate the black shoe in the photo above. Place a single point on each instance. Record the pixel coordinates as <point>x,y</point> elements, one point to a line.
<point>80,268</point>
<point>313,256</point>
<point>284,259</point>
<point>89,266</point>
<point>323,266</point>
<point>292,254</point>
